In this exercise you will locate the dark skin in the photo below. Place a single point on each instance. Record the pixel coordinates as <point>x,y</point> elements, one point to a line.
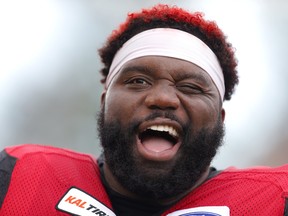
<point>159,83</point>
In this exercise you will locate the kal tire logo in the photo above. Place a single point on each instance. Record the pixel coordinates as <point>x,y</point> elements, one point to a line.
<point>203,211</point>
<point>77,202</point>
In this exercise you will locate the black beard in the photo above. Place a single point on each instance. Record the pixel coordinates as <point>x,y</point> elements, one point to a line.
<point>197,152</point>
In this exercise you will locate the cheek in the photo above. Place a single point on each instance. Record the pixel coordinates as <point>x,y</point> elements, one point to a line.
<point>119,106</point>
<point>112,107</point>
<point>202,113</point>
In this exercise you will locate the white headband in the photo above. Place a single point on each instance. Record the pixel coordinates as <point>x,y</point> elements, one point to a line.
<point>171,43</point>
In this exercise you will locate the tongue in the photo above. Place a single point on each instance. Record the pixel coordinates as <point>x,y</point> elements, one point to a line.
<point>156,144</point>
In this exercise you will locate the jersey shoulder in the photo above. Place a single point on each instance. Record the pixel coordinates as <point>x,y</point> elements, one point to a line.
<point>255,191</point>
<point>276,175</point>
<point>26,163</point>
<point>26,150</point>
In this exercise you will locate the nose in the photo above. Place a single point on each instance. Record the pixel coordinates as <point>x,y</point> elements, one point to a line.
<point>162,97</point>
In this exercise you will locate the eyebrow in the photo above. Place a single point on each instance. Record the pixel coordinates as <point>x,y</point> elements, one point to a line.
<point>143,69</point>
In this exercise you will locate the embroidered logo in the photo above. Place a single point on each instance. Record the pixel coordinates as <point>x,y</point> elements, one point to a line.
<point>203,211</point>
<point>78,202</point>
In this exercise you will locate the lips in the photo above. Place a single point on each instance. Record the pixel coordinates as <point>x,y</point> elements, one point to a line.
<point>159,140</point>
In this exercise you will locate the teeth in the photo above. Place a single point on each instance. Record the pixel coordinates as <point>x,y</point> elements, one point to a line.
<point>165,128</point>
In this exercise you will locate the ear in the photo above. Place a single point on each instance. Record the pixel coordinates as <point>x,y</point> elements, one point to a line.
<point>223,113</point>
<point>103,95</point>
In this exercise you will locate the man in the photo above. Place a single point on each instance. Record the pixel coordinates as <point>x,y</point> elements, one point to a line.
<point>166,74</point>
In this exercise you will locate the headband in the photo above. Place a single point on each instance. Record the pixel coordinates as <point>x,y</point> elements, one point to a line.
<point>170,43</point>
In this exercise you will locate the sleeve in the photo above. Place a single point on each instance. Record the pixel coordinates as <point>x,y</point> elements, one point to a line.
<point>7,164</point>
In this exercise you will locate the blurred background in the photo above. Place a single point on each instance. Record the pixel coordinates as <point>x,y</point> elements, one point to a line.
<point>49,73</point>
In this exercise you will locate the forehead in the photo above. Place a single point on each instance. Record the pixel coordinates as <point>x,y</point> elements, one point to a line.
<point>166,66</point>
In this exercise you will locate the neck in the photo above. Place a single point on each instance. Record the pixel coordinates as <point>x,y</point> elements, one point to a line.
<point>116,186</point>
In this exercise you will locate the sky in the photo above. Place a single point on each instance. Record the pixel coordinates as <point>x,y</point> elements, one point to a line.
<point>49,73</point>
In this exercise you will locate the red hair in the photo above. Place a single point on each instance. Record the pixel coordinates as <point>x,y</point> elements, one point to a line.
<point>165,13</point>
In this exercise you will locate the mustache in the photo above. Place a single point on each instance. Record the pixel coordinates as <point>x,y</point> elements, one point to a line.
<point>162,114</point>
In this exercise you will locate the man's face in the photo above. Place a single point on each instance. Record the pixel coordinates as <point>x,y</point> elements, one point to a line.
<point>160,125</point>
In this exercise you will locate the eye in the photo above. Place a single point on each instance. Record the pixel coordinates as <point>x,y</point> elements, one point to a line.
<point>189,88</point>
<point>137,82</point>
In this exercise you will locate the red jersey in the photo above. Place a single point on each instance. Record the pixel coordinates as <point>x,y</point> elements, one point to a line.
<point>43,180</point>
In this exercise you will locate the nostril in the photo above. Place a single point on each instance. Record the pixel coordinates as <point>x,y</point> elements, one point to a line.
<point>160,107</point>
<point>163,99</point>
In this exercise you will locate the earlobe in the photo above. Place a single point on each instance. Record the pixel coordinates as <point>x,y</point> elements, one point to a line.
<point>223,113</point>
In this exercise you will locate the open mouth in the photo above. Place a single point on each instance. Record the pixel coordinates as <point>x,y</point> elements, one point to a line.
<point>159,138</point>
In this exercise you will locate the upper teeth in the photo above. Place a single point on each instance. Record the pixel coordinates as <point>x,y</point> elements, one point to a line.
<point>165,128</point>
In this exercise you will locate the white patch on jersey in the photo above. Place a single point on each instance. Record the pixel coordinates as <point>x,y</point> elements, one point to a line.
<point>77,202</point>
<point>203,211</point>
